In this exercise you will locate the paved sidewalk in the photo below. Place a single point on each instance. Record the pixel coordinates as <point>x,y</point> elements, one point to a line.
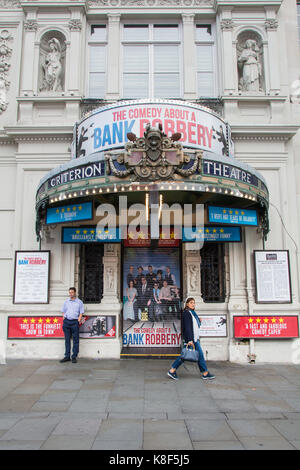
<point>132,404</point>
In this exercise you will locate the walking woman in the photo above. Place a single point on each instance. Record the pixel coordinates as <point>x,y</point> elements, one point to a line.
<point>191,332</point>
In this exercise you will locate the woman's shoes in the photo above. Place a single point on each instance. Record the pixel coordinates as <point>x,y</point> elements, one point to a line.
<point>172,375</point>
<point>208,376</point>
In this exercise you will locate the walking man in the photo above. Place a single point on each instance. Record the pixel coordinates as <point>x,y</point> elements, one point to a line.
<point>72,311</point>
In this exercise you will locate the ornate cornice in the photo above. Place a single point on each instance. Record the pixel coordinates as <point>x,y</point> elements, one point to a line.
<point>148,3</point>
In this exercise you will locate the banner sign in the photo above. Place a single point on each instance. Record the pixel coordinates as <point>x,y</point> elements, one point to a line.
<point>31,279</point>
<point>143,238</point>
<point>70,213</point>
<point>226,215</point>
<point>212,234</point>
<point>83,172</point>
<point>272,272</point>
<point>97,326</point>
<point>90,235</point>
<point>222,170</point>
<point>261,326</point>
<point>213,326</point>
<point>106,128</point>
<point>38,327</point>
<point>35,327</point>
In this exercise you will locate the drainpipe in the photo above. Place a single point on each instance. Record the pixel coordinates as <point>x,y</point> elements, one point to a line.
<point>251,355</point>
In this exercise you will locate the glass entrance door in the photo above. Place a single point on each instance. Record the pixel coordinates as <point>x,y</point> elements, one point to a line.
<point>151,298</point>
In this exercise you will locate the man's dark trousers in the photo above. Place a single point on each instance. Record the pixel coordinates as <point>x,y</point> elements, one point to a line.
<point>71,329</point>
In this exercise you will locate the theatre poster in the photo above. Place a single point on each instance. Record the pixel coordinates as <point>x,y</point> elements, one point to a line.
<point>31,277</point>
<point>272,273</point>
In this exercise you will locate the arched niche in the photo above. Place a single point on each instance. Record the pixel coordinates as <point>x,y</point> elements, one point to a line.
<point>250,62</point>
<point>52,62</point>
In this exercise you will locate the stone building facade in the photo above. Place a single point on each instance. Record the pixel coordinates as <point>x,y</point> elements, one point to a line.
<point>61,62</point>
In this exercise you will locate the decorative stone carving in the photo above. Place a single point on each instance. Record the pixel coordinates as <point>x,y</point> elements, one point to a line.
<point>271,23</point>
<point>10,4</point>
<point>5,56</point>
<point>193,277</point>
<point>75,25</point>
<point>227,24</point>
<point>31,25</point>
<point>52,62</point>
<point>152,157</point>
<point>250,62</point>
<point>147,3</point>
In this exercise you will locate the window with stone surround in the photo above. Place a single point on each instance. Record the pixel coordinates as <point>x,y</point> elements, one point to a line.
<point>97,60</point>
<point>206,60</point>
<point>152,60</point>
<point>91,273</point>
<point>213,272</point>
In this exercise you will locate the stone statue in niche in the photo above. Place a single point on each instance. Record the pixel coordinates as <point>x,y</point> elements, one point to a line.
<point>194,273</point>
<point>3,91</point>
<point>52,67</point>
<point>250,65</point>
<point>5,56</point>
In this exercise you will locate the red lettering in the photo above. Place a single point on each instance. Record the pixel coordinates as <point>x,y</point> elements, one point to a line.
<point>201,135</point>
<point>147,339</point>
<point>181,127</point>
<point>191,133</point>
<point>209,136</point>
<point>169,126</point>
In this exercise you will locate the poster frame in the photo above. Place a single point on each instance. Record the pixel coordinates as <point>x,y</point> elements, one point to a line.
<point>24,338</point>
<point>264,337</point>
<point>257,300</point>
<point>48,277</point>
<point>99,337</point>
<point>132,350</point>
<point>214,336</point>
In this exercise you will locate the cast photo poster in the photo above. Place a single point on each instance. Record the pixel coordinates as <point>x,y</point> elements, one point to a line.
<point>31,277</point>
<point>97,326</point>
<point>272,270</point>
<point>151,297</point>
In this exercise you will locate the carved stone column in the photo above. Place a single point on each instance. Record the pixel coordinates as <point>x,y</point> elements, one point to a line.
<point>113,57</point>
<point>27,77</point>
<point>229,78</point>
<point>73,80</point>
<point>191,268</point>
<point>271,25</point>
<point>190,85</point>
<point>111,278</point>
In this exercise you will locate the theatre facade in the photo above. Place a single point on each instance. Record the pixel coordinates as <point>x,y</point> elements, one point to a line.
<point>149,153</point>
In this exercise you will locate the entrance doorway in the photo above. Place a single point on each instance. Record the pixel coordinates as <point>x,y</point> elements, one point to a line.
<point>152,295</point>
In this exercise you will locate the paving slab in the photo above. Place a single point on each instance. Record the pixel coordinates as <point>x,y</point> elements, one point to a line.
<point>31,429</point>
<point>131,404</point>
<point>55,442</point>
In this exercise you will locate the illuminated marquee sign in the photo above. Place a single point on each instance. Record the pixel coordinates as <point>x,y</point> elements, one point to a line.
<point>232,215</point>
<point>70,213</point>
<point>107,128</point>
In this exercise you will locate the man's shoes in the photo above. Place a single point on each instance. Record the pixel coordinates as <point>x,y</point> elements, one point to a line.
<point>208,376</point>
<point>74,360</point>
<point>65,359</point>
<point>173,375</point>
